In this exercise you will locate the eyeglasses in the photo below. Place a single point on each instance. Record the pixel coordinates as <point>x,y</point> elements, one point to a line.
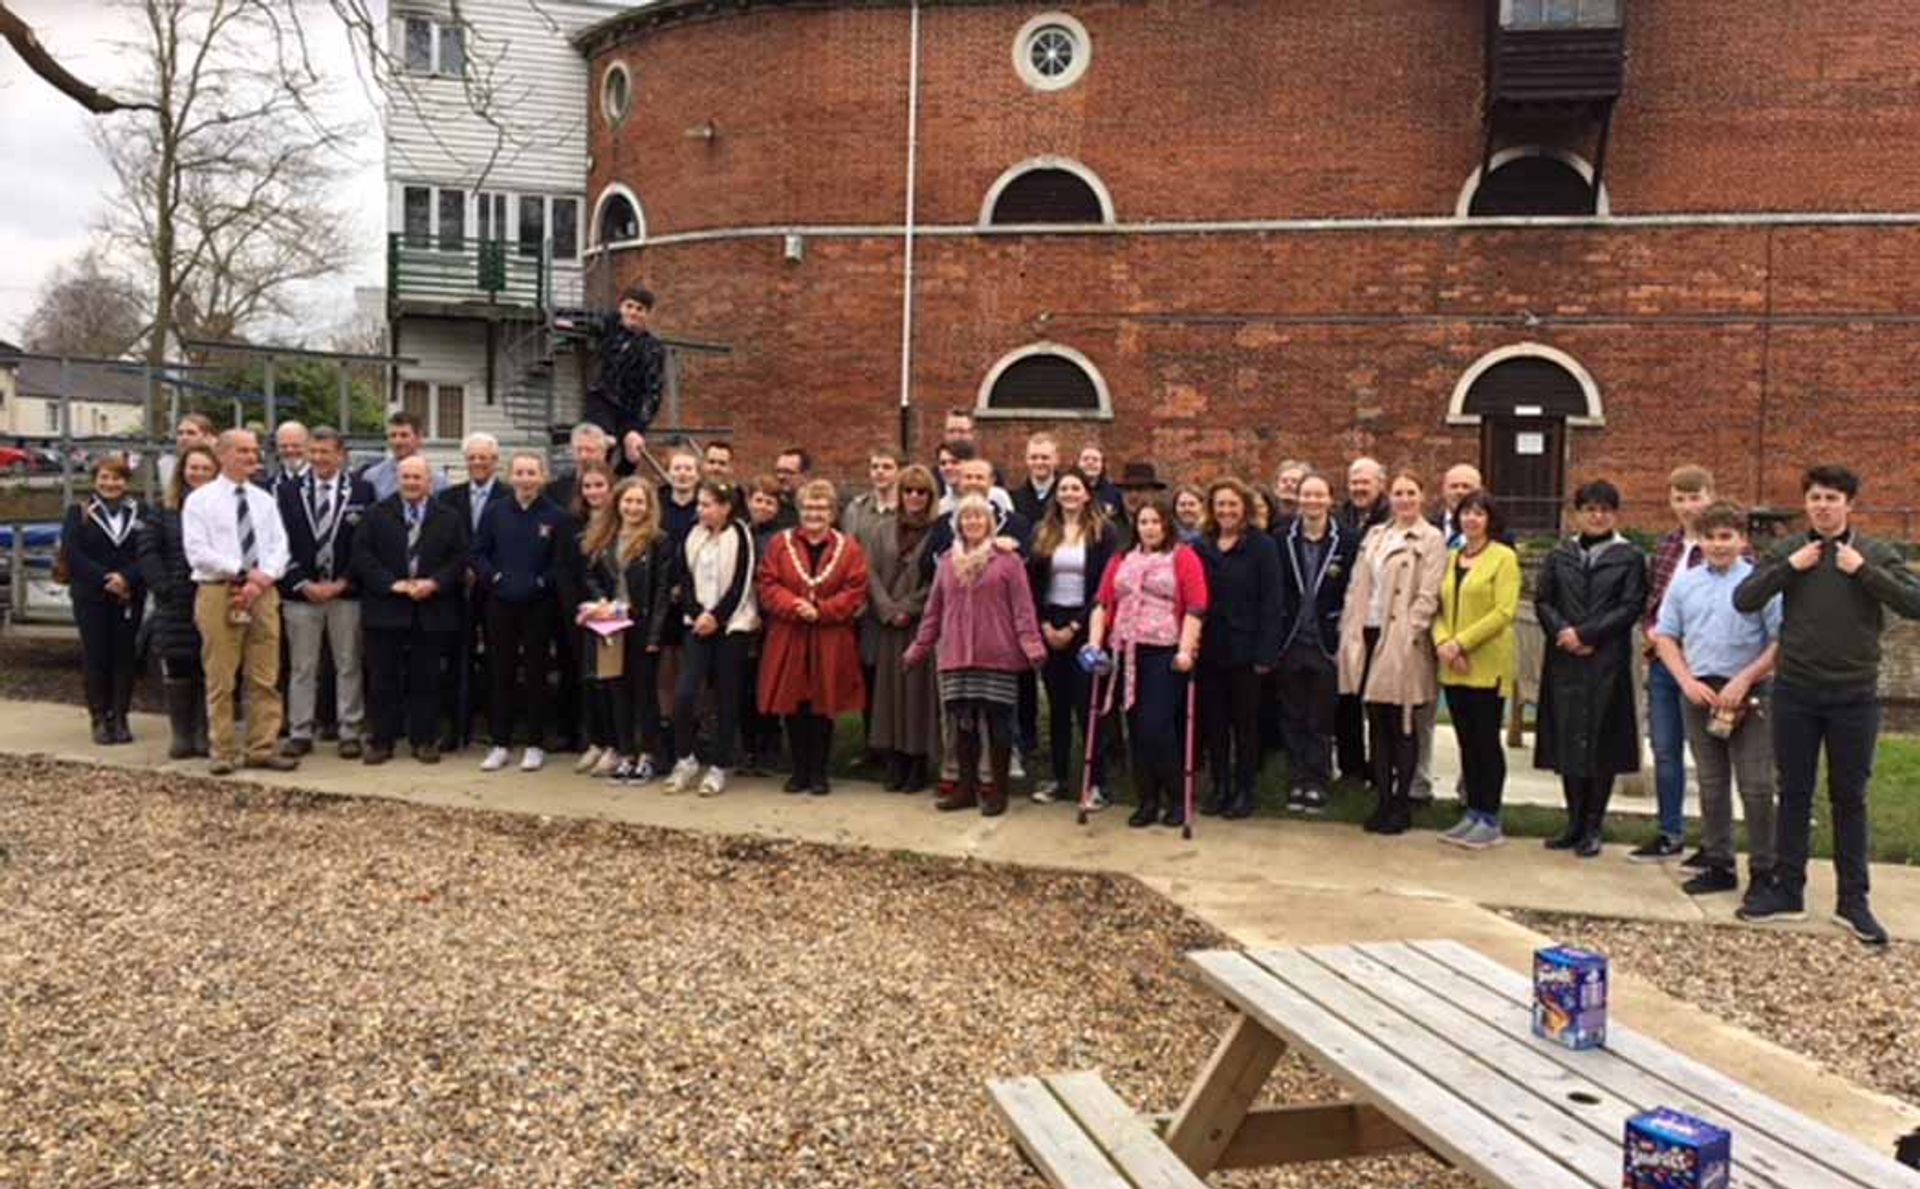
<point>917,491</point>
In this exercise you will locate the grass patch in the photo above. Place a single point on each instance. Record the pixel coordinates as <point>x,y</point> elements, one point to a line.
<point>1893,804</point>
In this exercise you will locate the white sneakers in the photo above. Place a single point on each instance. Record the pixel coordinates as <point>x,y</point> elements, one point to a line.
<point>715,782</point>
<point>533,759</point>
<point>496,759</point>
<point>683,774</point>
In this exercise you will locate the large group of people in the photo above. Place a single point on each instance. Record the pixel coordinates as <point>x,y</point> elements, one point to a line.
<point>673,631</point>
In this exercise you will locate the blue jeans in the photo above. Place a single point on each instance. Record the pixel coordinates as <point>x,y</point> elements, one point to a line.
<point>1668,726</point>
<point>1847,723</point>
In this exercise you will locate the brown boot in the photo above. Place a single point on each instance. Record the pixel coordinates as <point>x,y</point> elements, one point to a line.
<point>1000,759</point>
<point>966,791</point>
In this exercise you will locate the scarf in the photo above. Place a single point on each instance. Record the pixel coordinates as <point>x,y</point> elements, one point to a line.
<point>969,564</point>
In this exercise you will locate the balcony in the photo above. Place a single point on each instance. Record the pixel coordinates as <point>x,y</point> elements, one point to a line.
<point>467,277</point>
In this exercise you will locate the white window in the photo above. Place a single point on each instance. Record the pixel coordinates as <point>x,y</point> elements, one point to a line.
<point>490,212</point>
<point>453,220</point>
<point>1052,51</point>
<point>430,47</point>
<point>440,408</point>
<point>566,228</point>
<point>1045,380</point>
<point>616,93</point>
<point>417,215</point>
<point>53,416</point>
<point>533,225</point>
<point>1560,14</point>
<point>436,217</point>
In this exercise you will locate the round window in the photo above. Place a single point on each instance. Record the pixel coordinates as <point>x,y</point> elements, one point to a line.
<point>1052,52</point>
<point>616,93</point>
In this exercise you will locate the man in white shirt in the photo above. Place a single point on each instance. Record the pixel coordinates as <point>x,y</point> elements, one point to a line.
<point>290,442</point>
<point>236,548</point>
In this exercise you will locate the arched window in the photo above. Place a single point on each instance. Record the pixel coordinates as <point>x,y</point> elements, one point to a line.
<point>1533,181</point>
<point>1525,398</point>
<point>1047,190</point>
<point>1045,380</point>
<point>617,218</point>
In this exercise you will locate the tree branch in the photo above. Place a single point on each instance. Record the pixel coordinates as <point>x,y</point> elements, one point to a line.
<point>20,35</point>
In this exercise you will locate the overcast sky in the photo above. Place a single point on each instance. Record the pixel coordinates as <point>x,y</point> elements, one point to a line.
<point>54,182</point>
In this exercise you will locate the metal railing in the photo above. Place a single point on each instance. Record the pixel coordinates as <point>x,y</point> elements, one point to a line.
<point>488,271</point>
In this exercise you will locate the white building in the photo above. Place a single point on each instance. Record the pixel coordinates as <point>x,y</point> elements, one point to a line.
<point>102,401</point>
<point>487,213</point>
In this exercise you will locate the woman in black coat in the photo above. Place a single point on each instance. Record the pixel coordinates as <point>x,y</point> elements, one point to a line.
<point>627,569</point>
<point>171,634</point>
<point>1239,645</point>
<point>103,579</point>
<point>1591,592</point>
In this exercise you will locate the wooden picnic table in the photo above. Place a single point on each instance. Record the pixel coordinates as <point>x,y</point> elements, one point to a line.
<point>1434,1043</point>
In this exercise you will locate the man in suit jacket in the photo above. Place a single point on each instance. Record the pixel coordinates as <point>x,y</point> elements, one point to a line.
<point>466,659</point>
<point>410,560</point>
<point>319,604</point>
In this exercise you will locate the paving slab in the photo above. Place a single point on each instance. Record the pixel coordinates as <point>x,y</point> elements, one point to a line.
<point>1262,882</point>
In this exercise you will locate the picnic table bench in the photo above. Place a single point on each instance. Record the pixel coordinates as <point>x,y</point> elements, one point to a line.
<point>1434,1042</point>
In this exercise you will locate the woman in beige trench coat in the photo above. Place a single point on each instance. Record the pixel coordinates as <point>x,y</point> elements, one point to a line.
<point>1386,646</point>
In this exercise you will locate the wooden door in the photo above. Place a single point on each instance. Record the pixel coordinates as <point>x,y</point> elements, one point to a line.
<point>1524,461</point>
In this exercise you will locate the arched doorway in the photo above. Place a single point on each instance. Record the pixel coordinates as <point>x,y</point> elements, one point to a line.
<point>1524,398</point>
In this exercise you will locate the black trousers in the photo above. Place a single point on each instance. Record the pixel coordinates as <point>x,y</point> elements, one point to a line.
<point>1309,702</point>
<point>1392,735</point>
<point>1477,716</point>
<point>624,712</point>
<point>1846,722</point>
<point>1157,723</point>
<point>1229,705</point>
<point>518,638</point>
<point>464,689</point>
<point>404,680</point>
<point>108,653</point>
<point>762,731</point>
<point>719,659</point>
<point>569,708</point>
<point>1068,693</point>
<point>1350,733</point>
<point>1027,712</point>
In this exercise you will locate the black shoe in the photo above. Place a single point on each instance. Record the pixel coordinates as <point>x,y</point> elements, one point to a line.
<point>1175,814</point>
<point>296,748</point>
<point>1146,814</point>
<point>1770,901</point>
<point>1313,801</point>
<point>118,726</point>
<point>1856,918</point>
<point>1216,800</point>
<point>1397,818</point>
<point>1590,845</point>
<point>1565,840</point>
<point>427,753</point>
<point>1657,849</point>
<point>1376,822</point>
<point>819,787</point>
<point>1711,880</point>
<point>350,749</point>
<point>797,783</point>
<point>329,733</point>
<point>1241,806</point>
<point>896,772</point>
<point>916,781</point>
<point>1697,861</point>
<point>376,754</point>
<point>102,731</point>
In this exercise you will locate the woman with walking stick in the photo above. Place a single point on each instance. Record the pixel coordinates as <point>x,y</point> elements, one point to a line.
<point>1151,604</point>
<point>1071,549</point>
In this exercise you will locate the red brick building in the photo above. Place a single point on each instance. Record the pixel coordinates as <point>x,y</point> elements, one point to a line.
<point>1214,234</point>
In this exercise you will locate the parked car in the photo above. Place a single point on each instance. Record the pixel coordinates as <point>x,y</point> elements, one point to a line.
<point>15,461</point>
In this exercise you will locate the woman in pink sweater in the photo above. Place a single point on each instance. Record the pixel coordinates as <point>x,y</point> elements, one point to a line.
<point>980,615</point>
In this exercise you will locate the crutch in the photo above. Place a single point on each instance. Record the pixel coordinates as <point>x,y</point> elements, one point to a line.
<point>1093,743</point>
<point>1186,823</point>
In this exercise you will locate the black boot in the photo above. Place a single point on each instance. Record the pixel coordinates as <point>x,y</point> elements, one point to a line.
<point>1399,814</point>
<point>993,802</point>
<point>916,778</point>
<point>800,744</point>
<point>1218,797</point>
<point>202,741</point>
<point>1146,784</point>
<point>122,704</point>
<point>1376,822</point>
<point>1173,800</point>
<point>822,751</point>
<point>183,708</point>
<point>896,771</point>
<point>1593,832</point>
<point>102,728</point>
<point>1573,792</point>
<point>1242,804</point>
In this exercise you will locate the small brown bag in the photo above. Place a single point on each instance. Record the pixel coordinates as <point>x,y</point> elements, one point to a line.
<point>610,656</point>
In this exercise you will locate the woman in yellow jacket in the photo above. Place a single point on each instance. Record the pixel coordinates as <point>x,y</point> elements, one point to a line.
<point>1474,644</point>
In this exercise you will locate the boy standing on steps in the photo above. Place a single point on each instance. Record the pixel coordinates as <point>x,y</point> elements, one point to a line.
<point>1836,585</point>
<point>1721,659</point>
<point>1689,490</point>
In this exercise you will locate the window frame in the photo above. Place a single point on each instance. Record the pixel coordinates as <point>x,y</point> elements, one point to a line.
<point>441,34</point>
<point>617,67</point>
<point>984,409</point>
<point>1023,52</point>
<point>1014,172</point>
<point>1579,21</point>
<point>437,388</point>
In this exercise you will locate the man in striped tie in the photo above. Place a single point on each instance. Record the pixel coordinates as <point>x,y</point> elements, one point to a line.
<point>236,547</point>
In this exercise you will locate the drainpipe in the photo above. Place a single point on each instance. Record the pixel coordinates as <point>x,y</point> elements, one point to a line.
<point>906,288</point>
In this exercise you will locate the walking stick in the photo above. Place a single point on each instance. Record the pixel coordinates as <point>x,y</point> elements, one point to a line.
<point>1093,742</point>
<point>1186,822</point>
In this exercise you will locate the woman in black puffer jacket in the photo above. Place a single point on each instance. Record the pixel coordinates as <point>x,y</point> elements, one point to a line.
<point>164,571</point>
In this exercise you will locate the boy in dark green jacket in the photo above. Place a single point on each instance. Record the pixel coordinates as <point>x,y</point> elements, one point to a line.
<point>1836,585</point>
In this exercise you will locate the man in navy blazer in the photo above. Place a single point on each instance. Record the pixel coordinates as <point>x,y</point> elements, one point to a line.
<point>484,486</point>
<point>320,604</point>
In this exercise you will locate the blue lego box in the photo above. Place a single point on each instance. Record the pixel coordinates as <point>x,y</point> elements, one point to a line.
<point>1570,996</point>
<point>1668,1150</point>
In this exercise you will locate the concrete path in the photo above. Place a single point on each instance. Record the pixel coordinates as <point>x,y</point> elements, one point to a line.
<point>1262,882</point>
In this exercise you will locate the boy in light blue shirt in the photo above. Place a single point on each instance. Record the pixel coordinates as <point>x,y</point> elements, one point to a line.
<point>1722,659</point>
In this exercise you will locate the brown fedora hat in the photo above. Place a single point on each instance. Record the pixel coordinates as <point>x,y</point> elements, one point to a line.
<point>1140,476</point>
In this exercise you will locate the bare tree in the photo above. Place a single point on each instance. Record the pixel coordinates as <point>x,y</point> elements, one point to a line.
<point>225,176</point>
<point>21,37</point>
<point>86,309</point>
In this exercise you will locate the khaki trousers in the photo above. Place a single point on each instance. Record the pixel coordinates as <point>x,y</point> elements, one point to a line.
<point>251,650</point>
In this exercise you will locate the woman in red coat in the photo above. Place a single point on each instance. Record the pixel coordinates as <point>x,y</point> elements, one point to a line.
<point>812,586</point>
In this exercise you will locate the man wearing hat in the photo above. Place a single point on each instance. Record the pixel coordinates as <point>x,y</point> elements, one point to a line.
<point>1139,482</point>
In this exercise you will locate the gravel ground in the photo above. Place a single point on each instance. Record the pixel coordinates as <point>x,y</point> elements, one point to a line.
<point>206,984</point>
<point>1822,995</point>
